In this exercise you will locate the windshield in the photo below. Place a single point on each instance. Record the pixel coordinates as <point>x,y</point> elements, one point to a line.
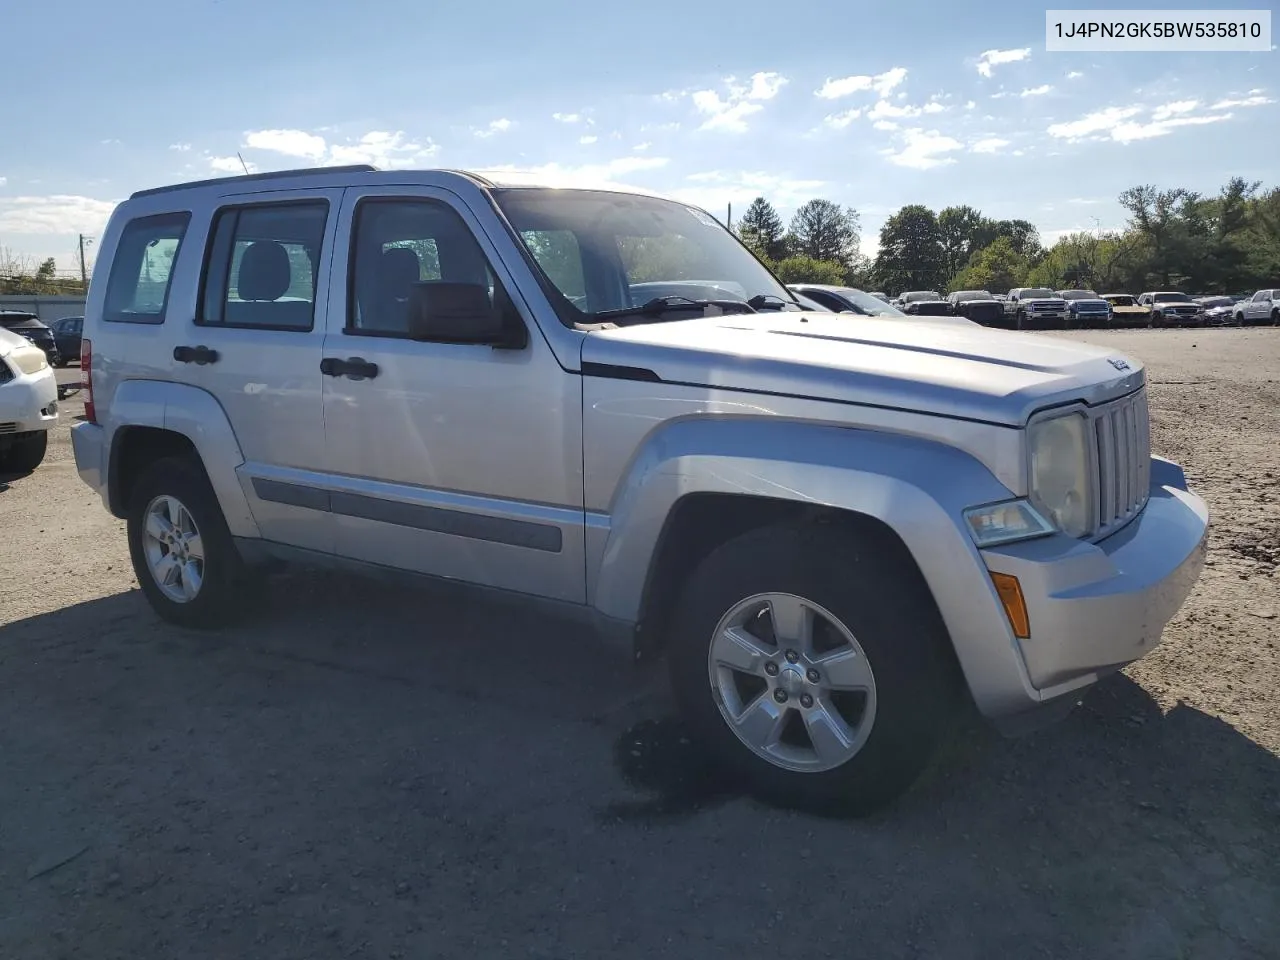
<point>868,304</point>
<point>1077,295</point>
<point>971,295</point>
<point>912,295</point>
<point>1119,301</point>
<point>608,251</point>
<point>1172,298</point>
<point>1217,302</point>
<point>1038,292</point>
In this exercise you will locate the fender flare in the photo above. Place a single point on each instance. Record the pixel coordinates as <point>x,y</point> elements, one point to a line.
<point>917,487</point>
<point>192,413</point>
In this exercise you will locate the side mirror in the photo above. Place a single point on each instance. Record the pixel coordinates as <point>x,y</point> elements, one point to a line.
<point>441,312</point>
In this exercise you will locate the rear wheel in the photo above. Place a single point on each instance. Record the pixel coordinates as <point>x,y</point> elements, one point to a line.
<point>24,455</point>
<point>812,667</point>
<point>183,555</point>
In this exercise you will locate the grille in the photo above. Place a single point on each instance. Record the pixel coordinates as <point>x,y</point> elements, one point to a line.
<point>8,428</point>
<point>1122,431</point>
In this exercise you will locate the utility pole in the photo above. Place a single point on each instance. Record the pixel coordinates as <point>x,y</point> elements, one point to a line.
<point>729,222</point>
<point>84,270</point>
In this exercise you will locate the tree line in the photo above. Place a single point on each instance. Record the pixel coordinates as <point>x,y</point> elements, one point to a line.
<point>22,275</point>
<point>1174,239</point>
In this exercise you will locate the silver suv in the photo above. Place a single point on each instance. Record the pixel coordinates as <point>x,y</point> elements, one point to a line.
<point>834,528</point>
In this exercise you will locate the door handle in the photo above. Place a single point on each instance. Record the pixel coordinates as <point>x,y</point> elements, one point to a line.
<point>355,368</point>
<point>200,355</point>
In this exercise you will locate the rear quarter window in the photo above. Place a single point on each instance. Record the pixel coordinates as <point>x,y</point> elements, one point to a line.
<point>142,268</point>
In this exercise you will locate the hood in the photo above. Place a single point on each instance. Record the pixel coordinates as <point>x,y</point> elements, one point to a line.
<point>1091,301</point>
<point>955,370</point>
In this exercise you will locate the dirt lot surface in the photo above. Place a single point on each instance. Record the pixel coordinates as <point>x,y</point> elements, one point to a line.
<point>376,772</point>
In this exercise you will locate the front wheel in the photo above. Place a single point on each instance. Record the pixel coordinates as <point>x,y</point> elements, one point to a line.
<point>183,556</point>
<point>26,454</point>
<point>814,667</point>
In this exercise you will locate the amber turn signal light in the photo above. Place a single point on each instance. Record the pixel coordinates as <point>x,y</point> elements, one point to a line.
<point>1015,607</point>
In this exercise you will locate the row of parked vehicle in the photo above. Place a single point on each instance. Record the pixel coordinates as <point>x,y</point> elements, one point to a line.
<point>1039,308</point>
<point>60,340</point>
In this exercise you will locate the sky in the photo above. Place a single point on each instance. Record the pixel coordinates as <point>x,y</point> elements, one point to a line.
<point>872,106</point>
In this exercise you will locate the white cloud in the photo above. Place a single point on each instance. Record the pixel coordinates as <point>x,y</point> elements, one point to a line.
<point>729,113</point>
<point>1084,201</point>
<point>642,146</point>
<point>924,150</point>
<point>838,121</point>
<point>1174,109</point>
<point>3,181</point>
<point>882,83</point>
<point>1254,101</point>
<point>970,105</point>
<point>1036,91</point>
<point>885,125</point>
<point>884,110</point>
<point>180,147</point>
<point>1093,123</point>
<point>231,165</point>
<point>588,139</point>
<point>57,214</point>
<point>382,149</point>
<point>1258,90</point>
<point>993,58</point>
<point>292,143</point>
<point>1128,132</point>
<point>111,141</point>
<point>501,125</point>
<point>989,145</point>
<point>1074,75</point>
<point>933,106</point>
<point>715,189</point>
<point>566,117</point>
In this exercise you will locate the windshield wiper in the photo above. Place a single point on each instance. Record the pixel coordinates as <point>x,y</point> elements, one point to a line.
<point>660,305</point>
<point>761,300</point>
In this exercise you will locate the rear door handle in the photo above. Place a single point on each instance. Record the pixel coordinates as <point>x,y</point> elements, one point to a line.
<point>355,368</point>
<point>200,355</point>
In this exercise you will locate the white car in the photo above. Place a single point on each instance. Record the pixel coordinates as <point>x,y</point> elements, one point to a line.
<point>1263,307</point>
<point>28,403</point>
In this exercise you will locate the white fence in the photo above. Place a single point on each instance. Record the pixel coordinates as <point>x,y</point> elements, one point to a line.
<point>47,308</point>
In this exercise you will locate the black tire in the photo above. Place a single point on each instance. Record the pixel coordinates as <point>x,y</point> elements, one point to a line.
<point>225,593</point>
<point>885,605</point>
<point>1275,318</point>
<point>25,455</point>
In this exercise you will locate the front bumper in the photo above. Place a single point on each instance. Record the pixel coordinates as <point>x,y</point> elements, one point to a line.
<point>29,403</point>
<point>1095,607</point>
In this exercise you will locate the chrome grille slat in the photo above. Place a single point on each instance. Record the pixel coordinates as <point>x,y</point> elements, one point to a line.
<point>1122,434</point>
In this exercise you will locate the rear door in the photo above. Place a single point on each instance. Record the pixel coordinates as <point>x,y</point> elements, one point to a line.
<point>255,344</point>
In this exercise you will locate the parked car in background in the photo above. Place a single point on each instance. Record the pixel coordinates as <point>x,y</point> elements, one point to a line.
<point>28,405</point>
<point>1219,311</point>
<point>880,295</point>
<point>1085,308</point>
<point>812,305</point>
<point>1036,308</point>
<point>845,299</point>
<point>927,303</point>
<point>1170,308</point>
<point>66,334</point>
<point>1262,307</point>
<point>1126,311</point>
<point>978,306</point>
<point>28,325</point>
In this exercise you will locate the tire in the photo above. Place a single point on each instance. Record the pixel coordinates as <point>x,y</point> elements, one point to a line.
<point>899,718</point>
<point>1239,319</point>
<point>219,598</point>
<point>25,455</point>
<point>1275,318</point>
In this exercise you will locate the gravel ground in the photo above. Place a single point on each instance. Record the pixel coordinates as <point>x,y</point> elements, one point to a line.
<point>377,772</point>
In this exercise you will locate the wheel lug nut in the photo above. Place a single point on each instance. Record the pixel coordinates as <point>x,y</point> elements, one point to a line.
<point>806,701</point>
<point>792,656</point>
<point>812,675</point>
<point>771,669</point>
<point>780,696</point>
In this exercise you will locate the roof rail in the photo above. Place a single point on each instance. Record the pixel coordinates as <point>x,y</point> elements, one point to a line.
<point>253,177</point>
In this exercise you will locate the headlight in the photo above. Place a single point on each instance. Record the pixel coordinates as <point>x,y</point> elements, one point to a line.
<point>1060,472</point>
<point>1006,522</point>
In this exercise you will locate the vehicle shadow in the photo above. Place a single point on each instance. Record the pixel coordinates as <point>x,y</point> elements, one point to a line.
<point>365,709</point>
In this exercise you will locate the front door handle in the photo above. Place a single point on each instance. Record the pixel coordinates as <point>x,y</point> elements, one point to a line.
<point>355,368</point>
<point>200,354</point>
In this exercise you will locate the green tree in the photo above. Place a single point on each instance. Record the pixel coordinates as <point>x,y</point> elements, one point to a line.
<point>910,256</point>
<point>960,229</point>
<point>822,230</point>
<point>761,229</point>
<point>997,267</point>
<point>801,269</point>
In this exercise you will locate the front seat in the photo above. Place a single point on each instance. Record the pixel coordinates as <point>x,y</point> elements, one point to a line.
<point>398,270</point>
<point>265,276</point>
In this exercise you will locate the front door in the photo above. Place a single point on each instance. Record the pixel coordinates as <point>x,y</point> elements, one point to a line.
<point>260,319</point>
<point>458,460</point>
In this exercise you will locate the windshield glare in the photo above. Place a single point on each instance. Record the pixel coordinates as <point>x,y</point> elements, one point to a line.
<point>869,304</point>
<point>1172,298</point>
<point>1078,295</point>
<point>1038,293</point>
<point>971,295</point>
<point>612,251</point>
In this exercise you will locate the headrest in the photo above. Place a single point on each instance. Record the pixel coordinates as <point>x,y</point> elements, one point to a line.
<point>265,271</point>
<point>400,267</point>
